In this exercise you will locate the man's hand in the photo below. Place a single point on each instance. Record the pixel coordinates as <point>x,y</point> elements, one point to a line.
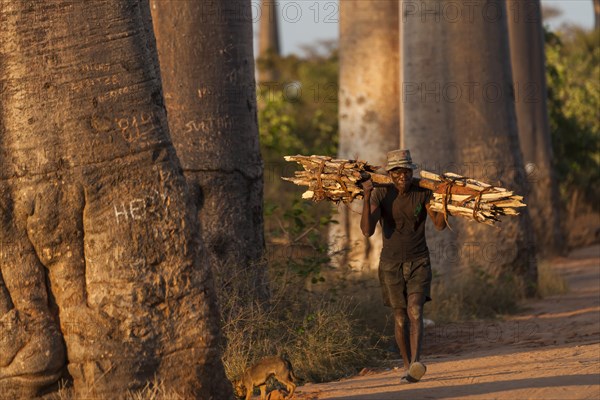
<point>437,218</point>
<point>367,187</point>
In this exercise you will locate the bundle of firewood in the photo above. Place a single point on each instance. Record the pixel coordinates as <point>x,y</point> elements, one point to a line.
<point>330,179</point>
<point>338,180</point>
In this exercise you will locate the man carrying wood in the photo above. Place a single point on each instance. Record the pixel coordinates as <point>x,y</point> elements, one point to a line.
<point>404,268</point>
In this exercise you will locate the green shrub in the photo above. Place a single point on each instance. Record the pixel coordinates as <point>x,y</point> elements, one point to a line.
<point>573,71</point>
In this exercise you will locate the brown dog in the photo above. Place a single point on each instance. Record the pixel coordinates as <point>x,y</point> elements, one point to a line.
<point>258,374</point>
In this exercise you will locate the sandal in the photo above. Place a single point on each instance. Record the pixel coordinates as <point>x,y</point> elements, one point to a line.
<point>406,378</point>
<point>416,371</point>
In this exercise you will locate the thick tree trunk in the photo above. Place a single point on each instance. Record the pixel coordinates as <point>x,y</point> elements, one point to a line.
<point>368,112</point>
<point>529,75</point>
<point>268,40</point>
<point>596,14</point>
<point>207,67</point>
<point>97,229</point>
<point>461,93</point>
<point>424,66</point>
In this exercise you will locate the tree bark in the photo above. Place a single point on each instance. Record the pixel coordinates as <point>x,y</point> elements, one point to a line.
<point>529,75</point>
<point>460,94</point>
<point>207,67</point>
<point>596,14</point>
<point>268,41</point>
<point>425,129</point>
<point>99,249</point>
<point>368,112</point>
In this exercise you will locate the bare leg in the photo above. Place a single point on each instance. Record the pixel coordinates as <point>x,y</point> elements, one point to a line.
<point>401,331</point>
<point>415,315</point>
<point>290,386</point>
<point>263,392</point>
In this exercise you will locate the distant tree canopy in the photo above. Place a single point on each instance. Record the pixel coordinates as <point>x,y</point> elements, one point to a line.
<point>573,74</point>
<point>298,113</point>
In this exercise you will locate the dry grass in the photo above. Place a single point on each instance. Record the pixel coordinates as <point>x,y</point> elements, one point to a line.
<point>550,282</point>
<point>322,335</point>
<point>476,294</point>
<point>154,390</point>
<point>64,392</point>
<point>473,294</point>
<point>317,332</point>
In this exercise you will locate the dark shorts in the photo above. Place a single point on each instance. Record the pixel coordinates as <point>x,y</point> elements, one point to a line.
<point>399,279</point>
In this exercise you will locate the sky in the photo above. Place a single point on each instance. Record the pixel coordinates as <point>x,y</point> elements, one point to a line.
<point>306,22</point>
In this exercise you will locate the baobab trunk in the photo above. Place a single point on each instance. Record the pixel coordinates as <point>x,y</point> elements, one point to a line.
<point>462,94</point>
<point>268,40</point>
<point>99,255</point>
<point>207,67</point>
<point>596,14</point>
<point>368,112</point>
<point>529,75</point>
<point>423,68</point>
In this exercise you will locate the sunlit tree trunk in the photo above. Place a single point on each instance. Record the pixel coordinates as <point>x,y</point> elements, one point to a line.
<point>207,67</point>
<point>459,114</point>
<point>596,14</point>
<point>424,67</point>
<point>97,229</point>
<point>268,40</point>
<point>529,75</point>
<point>368,112</point>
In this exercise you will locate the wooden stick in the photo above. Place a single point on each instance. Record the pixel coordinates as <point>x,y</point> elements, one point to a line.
<point>338,180</point>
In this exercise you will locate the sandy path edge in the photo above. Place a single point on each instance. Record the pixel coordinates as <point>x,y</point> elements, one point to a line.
<point>551,351</point>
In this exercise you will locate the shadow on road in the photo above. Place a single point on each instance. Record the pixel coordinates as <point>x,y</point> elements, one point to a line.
<point>478,388</point>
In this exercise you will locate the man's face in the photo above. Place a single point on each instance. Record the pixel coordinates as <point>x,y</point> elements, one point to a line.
<point>402,178</point>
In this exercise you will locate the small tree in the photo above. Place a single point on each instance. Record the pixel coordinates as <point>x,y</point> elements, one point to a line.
<point>574,100</point>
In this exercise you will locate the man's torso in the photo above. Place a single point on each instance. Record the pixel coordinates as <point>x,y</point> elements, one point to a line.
<point>403,222</point>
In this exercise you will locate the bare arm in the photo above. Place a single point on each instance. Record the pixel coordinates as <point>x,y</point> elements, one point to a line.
<point>437,218</point>
<point>370,214</point>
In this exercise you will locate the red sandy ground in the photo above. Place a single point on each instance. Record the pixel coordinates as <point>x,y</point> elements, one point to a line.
<point>550,351</point>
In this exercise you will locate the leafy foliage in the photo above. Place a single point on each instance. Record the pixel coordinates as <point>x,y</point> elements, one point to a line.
<point>573,75</point>
<point>299,112</point>
<point>305,228</point>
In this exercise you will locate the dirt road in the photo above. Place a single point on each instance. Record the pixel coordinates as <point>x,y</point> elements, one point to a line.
<point>550,351</point>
